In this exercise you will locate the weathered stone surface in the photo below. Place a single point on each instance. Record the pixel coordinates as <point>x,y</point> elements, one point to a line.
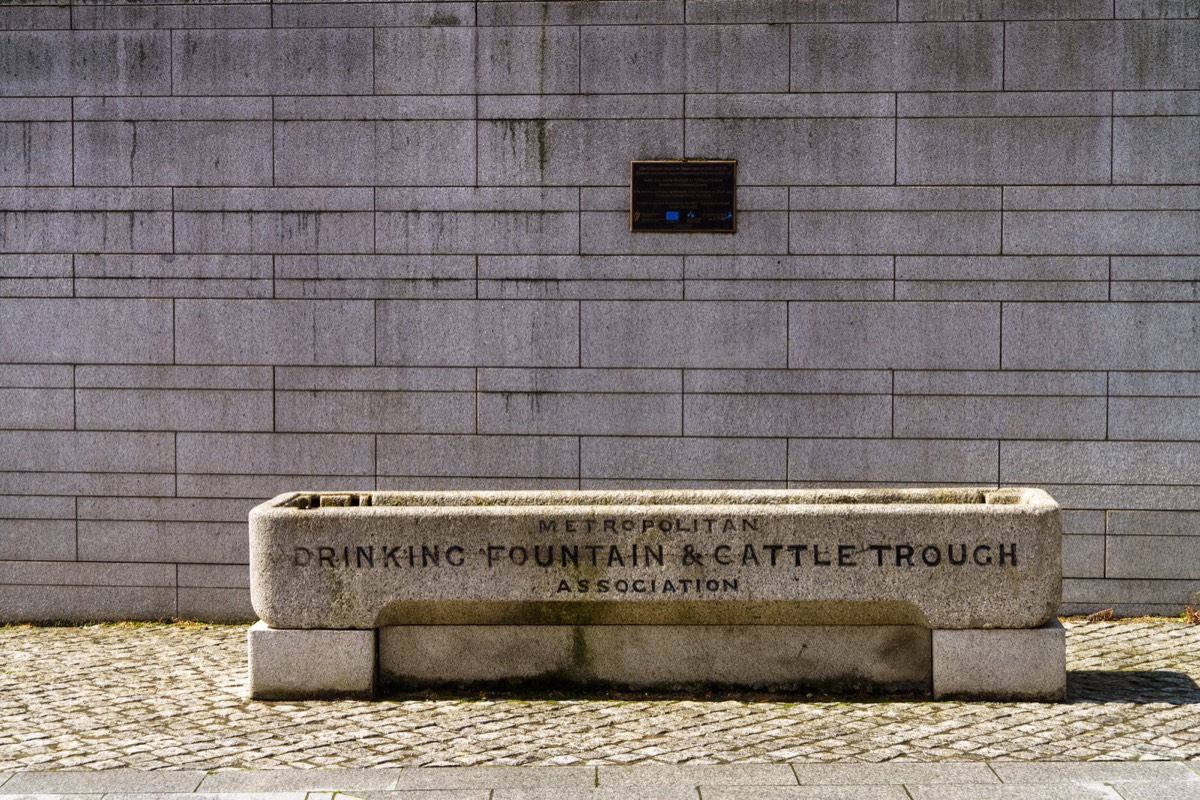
<point>952,558</point>
<point>293,664</point>
<point>1028,664</point>
<point>890,657</point>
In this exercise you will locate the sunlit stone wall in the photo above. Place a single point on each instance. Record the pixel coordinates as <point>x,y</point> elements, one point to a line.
<point>252,247</point>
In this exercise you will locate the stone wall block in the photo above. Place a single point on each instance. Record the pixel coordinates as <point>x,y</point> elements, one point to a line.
<point>65,63</point>
<point>1154,384</point>
<point>896,57</point>
<point>992,383</point>
<point>737,58</point>
<point>152,153</point>
<point>1101,336</point>
<point>1003,150</point>
<point>52,591</point>
<point>120,16</point>
<point>86,451</point>
<point>375,411</point>
<point>1155,418</point>
<point>261,482</point>
<point>691,458</point>
<point>90,231</point>
<point>799,151</point>
<point>932,10</point>
<point>582,12</point>
<point>274,331</point>
<point>1156,149</point>
<point>1157,9</point>
<point>223,606</point>
<point>1144,54</point>
<point>558,269</point>
<point>1012,417</point>
<point>901,232</point>
<point>369,15</point>
<point>277,453</point>
<point>687,334</point>
<point>1164,557</point>
<point>37,539</point>
<point>1002,278</point>
<point>35,275</point>
<point>97,331</point>
<point>431,60</point>
<point>515,152</point>
<point>1156,103</point>
<point>216,276</point>
<point>35,153</point>
<point>776,11</point>
<point>173,410</point>
<point>273,232</point>
<point>527,60</point>
<point>578,413</point>
<point>1099,232</point>
<point>1082,556</point>
<point>892,461</point>
<point>370,153</point>
<point>894,335</point>
<point>35,18</point>
<point>174,509</point>
<point>1127,597</point>
<point>491,457</point>
<point>1152,523</point>
<point>469,232</point>
<point>1165,463</point>
<point>371,276</point>
<point>269,62</point>
<point>35,398</point>
<point>134,541</point>
<point>783,415</point>
<point>622,59</point>
<point>448,333</point>
<point>586,402</point>
<point>786,382</point>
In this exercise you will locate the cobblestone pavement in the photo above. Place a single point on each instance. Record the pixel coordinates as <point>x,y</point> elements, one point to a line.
<point>172,697</point>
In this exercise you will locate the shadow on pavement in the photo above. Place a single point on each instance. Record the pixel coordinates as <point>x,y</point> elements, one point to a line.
<point>1131,686</point>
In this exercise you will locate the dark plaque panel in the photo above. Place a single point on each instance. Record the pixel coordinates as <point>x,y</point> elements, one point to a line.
<point>683,196</point>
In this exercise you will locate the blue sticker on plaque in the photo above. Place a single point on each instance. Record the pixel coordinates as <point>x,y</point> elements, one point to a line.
<point>683,196</point>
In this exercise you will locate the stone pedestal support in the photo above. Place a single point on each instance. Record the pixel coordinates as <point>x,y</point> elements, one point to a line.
<point>1001,664</point>
<point>300,664</point>
<point>996,664</point>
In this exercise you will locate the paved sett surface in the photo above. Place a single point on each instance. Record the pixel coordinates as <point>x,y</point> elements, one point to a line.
<point>164,697</point>
<point>960,781</point>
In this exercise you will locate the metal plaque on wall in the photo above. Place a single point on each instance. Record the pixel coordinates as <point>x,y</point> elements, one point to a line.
<point>683,196</point>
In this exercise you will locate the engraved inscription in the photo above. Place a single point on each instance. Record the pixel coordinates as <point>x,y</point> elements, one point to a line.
<point>695,556</point>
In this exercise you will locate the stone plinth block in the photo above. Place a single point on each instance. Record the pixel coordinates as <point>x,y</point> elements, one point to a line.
<point>892,658</point>
<point>940,559</point>
<point>292,664</point>
<point>1001,664</point>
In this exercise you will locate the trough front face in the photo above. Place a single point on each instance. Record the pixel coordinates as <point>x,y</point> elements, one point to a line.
<point>943,558</point>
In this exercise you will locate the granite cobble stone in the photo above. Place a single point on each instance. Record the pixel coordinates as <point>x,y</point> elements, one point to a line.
<point>172,697</point>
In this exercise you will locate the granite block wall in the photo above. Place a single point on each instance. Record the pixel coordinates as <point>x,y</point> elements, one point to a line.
<point>250,247</point>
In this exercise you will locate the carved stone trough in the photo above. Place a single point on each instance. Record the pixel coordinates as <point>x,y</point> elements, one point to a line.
<point>949,591</point>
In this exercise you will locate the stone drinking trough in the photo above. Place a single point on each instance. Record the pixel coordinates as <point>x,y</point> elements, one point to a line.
<point>952,591</point>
